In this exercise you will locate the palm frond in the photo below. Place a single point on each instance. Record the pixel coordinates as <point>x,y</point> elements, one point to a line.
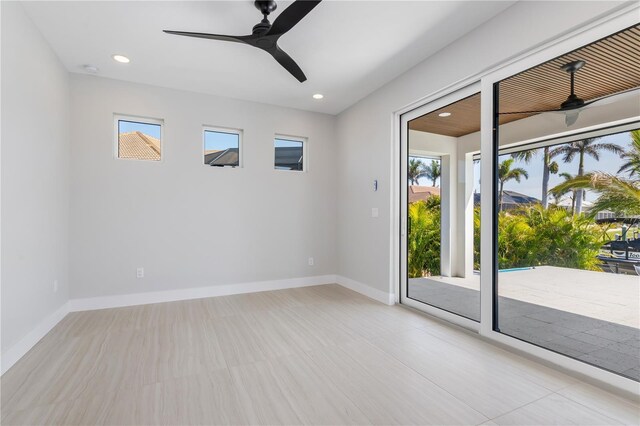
<point>632,156</point>
<point>615,194</point>
<point>525,156</point>
<point>609,147</point>
<point>594,153</point>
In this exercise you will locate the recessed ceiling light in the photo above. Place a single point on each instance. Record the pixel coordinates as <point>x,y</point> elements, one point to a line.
<point>91,69</point>
<point>121,58</point>
<point>318,96</point>
<point>444,114</point>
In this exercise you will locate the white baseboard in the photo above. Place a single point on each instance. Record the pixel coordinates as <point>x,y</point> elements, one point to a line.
<point>121,300</point>
<point>366,290</point>
<point>17,351</point>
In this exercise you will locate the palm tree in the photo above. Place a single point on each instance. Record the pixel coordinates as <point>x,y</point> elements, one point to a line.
<point>525,156</point>
<point>432,171</point>
<point>618,195</point>
<point>415,170</point>
<point>632,166</point>
<point>506,173</point>
<point>548,167</point>
<point>557,195</point>
<point>581,148</point>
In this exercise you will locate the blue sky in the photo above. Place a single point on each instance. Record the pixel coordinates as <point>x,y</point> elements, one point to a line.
<point>218,141</point>
<point>148,129</point>
<point>284,143</point>
<point>424,181</point>
<point>609,163</point>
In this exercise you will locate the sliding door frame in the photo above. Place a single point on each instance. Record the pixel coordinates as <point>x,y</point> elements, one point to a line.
<point>446,234</point>
<point>599,28</point>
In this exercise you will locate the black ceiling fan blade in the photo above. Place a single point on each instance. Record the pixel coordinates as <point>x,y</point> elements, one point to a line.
<point>607,98</point>
<point>291,16</point>
<point>221,37</point>
<point>288,63</point>
<point>531,112</point>
<point>613,97</point>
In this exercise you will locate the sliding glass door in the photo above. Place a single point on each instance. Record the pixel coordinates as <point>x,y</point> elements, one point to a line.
<point>542,253</point>
<point>567,190</point>
<point>441,208</point>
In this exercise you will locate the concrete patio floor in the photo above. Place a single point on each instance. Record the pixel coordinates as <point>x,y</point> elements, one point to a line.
<point>591,316</point>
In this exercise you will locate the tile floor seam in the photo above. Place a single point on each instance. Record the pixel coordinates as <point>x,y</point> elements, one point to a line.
<point>505,351</point>
<point>133,388</point>
<point>601,412</point>
<point>430,381</point>
<point>335,385</point>
<point>337,388</point>
<point>590,408</point>
<point>522,406</point>
<point>237,390</point>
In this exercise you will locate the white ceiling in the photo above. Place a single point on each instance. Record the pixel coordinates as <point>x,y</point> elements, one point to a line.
<point>347,49</point>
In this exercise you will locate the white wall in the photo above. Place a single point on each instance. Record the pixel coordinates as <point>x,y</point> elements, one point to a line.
<point>35,178</point>
<point>365,129</point>
<point>187,224</point>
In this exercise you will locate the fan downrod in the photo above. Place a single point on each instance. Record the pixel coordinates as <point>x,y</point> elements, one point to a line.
<point>265,7</point>
<point>573,101</point>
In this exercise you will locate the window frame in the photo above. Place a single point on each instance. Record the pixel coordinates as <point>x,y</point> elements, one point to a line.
<point>117,117</point>
<point>291,138</point>
<point>227,130</point>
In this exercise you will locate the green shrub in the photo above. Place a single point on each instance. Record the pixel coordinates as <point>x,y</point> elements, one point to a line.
<point>424,238</point>
<point>527,236</point>
<point>476,238</point>
<point>533,236</point>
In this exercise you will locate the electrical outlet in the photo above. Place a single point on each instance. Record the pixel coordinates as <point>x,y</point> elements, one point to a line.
<point>375,212</point>
<point>140,273</point>
<point>55,286</point>
<point>311,261</point>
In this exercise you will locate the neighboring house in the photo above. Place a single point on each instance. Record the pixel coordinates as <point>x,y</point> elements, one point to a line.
<point>289,158</point>
<point>139,146</point>
<point>603,216</point>
<point>221,158</point>
<point>510,200</point>
<point>421,193</point>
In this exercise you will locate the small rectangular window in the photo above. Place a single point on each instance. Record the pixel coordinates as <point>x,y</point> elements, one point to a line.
<point>289,153</point>
<point>139,139</point>
<point>222,147</point>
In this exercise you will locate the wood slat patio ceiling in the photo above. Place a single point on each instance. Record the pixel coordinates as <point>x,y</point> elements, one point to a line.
<point>612,66</point>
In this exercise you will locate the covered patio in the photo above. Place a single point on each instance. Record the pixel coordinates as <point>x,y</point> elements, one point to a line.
<point>591,316</point>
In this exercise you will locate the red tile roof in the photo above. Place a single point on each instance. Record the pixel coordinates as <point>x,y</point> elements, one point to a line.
<point>139,146</point>
<point>418,192</point>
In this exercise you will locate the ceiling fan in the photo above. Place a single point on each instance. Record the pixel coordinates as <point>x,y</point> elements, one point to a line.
<point>573,105</point>
<point>265,35</point>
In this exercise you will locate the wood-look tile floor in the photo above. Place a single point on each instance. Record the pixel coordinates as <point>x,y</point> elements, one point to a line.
<point>316,355</point>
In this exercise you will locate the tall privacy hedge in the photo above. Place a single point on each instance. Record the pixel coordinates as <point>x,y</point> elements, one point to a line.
<point>424,238</point>
<point>527,236</point>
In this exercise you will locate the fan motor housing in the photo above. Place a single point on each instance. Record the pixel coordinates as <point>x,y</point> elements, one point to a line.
<point>261,27</point>
<point>265,7</point>
<point>572,102</point>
